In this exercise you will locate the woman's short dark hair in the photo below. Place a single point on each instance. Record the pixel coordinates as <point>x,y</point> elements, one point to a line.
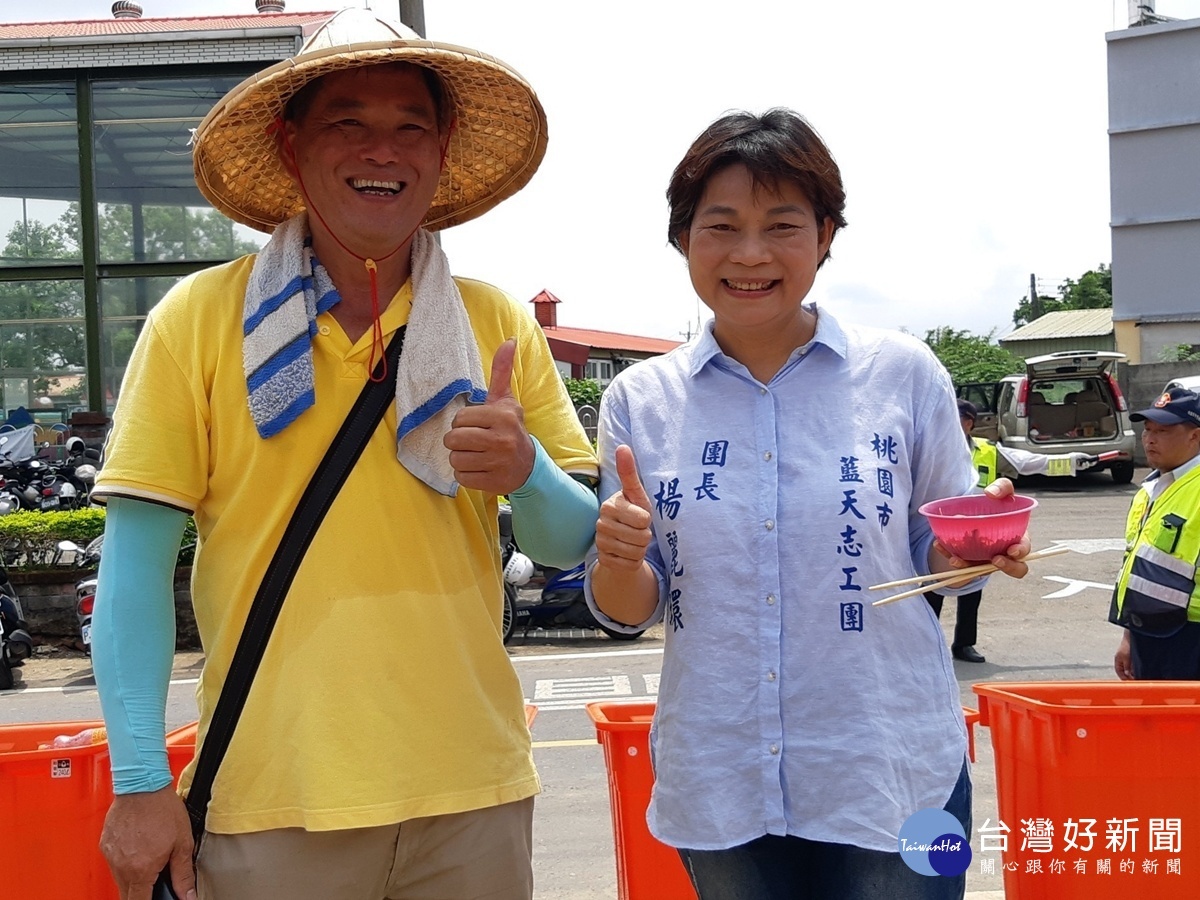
<point>298,105</point>
<point>778,146</point>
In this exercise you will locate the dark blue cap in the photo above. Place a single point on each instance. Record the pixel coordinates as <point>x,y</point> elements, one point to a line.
<point>1177,406</point>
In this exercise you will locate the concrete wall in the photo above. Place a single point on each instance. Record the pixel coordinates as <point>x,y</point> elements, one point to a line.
<point>1154,171</point>
<point>1142,384</point>
<point>144,50</point>
<point>48,601</point>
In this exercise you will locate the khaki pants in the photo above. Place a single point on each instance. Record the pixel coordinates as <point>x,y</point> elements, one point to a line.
<point>479,855</point>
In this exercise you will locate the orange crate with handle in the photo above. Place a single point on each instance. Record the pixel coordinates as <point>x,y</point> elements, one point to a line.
<point>54,801</point>
<point>1121,753</point>
<point>646,868</point>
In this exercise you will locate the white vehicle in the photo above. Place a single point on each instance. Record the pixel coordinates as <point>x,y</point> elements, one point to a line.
<point>1190,382</point>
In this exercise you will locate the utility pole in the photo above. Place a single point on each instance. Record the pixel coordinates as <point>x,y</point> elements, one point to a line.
<point>412,14</point>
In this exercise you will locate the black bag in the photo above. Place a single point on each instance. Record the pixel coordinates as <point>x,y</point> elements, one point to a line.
<point>327,480</point>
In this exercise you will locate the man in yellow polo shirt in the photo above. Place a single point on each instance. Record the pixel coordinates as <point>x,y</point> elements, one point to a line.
<point>383,750</point>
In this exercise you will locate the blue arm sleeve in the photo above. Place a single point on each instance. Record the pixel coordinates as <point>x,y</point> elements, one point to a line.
<point>554,516</point>
<point>133,638</point>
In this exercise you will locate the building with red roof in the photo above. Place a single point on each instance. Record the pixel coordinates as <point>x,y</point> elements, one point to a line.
<point>588,353</point>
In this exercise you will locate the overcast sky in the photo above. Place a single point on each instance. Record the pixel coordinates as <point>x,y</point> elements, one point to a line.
<point>971,137</point>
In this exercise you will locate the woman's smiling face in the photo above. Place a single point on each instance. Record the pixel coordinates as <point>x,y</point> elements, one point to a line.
<point>753,252</point>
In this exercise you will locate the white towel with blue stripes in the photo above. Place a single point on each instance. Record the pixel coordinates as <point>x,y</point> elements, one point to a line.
<point>439,372</point>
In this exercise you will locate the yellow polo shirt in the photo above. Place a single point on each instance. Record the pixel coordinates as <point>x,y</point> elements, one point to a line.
<point>385,692</point>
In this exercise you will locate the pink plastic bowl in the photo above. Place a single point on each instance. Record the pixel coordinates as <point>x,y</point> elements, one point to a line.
<point>978,527</point>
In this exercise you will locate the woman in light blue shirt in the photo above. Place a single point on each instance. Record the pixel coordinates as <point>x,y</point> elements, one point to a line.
<point>759,479</point>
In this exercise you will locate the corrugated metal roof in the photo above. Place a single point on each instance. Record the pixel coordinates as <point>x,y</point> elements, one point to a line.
<point>610,340</point>
<point>1066,323</point>
<point>117,27</point>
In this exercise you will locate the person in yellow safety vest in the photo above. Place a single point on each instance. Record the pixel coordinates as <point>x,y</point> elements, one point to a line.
<point>1156,598</point>
<point>986,457</point>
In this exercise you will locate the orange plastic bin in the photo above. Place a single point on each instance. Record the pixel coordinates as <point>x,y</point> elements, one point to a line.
<point>646,868</point>
<point>52,808</point>
<point>1119,753</point>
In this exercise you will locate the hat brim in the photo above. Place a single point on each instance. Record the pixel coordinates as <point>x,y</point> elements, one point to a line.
<point>1161,416</point>
<point>496,146</point>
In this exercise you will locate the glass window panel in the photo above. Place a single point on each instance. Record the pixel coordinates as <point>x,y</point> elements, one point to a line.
<point>116,344</point>
<point>124,303</point>
<point>150,208</point>
<point>42,346</point>
<point>39,174</point>
<point>158,233</point>
<point>123,298</point>
<point>22,302</point>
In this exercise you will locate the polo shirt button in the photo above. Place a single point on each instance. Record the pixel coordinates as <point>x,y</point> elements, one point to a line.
<point>770,676</point>
<point>774,748</point>
<point>767,456</point>
<point>324,329</point>
<point>762,390</point>
<point>770,599</point>
<point>770,524</point>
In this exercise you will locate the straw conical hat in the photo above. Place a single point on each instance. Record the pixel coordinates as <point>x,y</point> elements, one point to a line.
<point>494,150</point>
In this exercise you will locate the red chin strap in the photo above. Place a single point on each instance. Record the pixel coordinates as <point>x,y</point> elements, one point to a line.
<point>277,129</point>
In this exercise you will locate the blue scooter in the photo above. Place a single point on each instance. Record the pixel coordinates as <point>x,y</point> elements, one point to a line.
<point>559,604</point>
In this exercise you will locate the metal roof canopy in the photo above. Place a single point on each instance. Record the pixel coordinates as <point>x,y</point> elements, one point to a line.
<point>1065,323</point>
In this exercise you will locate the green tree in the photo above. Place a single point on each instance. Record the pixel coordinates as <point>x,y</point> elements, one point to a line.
<point>970,357</point>
<point>1093,290</point>
<point>583,391</point>
<point>1179,353</point>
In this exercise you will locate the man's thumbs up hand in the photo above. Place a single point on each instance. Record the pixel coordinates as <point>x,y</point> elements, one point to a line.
<point>490,450</point>
<point>623,529</point>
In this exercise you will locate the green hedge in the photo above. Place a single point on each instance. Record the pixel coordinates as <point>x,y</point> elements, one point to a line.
<point>30,539</point>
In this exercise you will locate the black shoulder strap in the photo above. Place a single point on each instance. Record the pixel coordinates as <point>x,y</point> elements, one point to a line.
<point>326,481</point>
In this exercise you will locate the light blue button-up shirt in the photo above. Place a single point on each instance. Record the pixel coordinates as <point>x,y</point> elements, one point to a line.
<point>787,703</point>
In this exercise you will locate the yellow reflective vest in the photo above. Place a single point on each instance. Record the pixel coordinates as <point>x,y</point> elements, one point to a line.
<point>985,459</point>
<point>1156,592</point>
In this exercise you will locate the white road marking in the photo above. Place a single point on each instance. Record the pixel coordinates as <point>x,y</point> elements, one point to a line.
<point>1092,545</point>
<point>582,702</point>
<point>573,688</point>
<point>79,688</point>
<point>597,654</point>
<point>651,683</point>
<point>1073,586</point>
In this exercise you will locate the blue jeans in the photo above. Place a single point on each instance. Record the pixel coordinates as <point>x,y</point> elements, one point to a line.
<point>792,868</point>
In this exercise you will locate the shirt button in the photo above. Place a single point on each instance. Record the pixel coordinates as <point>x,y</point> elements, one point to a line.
<point>770,599</point>
<point>770,676</point>
<point>770,524</point>
<point>762,390</point>
<point>774,748</point>
<point>324,329</point>
<point>767,456</point>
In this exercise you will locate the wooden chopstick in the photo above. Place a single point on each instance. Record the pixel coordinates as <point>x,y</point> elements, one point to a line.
<point>944,578</point>
<point>970,570</point>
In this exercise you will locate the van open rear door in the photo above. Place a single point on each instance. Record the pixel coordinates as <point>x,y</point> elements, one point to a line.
<point>983,394</point>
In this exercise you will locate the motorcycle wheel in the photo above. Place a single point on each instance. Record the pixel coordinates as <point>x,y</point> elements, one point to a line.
<point>6,675</point>
<point>508,620</point>
<point>621,635</point>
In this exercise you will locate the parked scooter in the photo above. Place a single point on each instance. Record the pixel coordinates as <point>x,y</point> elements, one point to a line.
<point>561,601</point>
<point>85,591</point>
<point>16,645</point>
<point>41,484</point>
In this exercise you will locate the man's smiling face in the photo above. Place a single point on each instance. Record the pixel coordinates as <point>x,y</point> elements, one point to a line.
<point>367,152</point>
